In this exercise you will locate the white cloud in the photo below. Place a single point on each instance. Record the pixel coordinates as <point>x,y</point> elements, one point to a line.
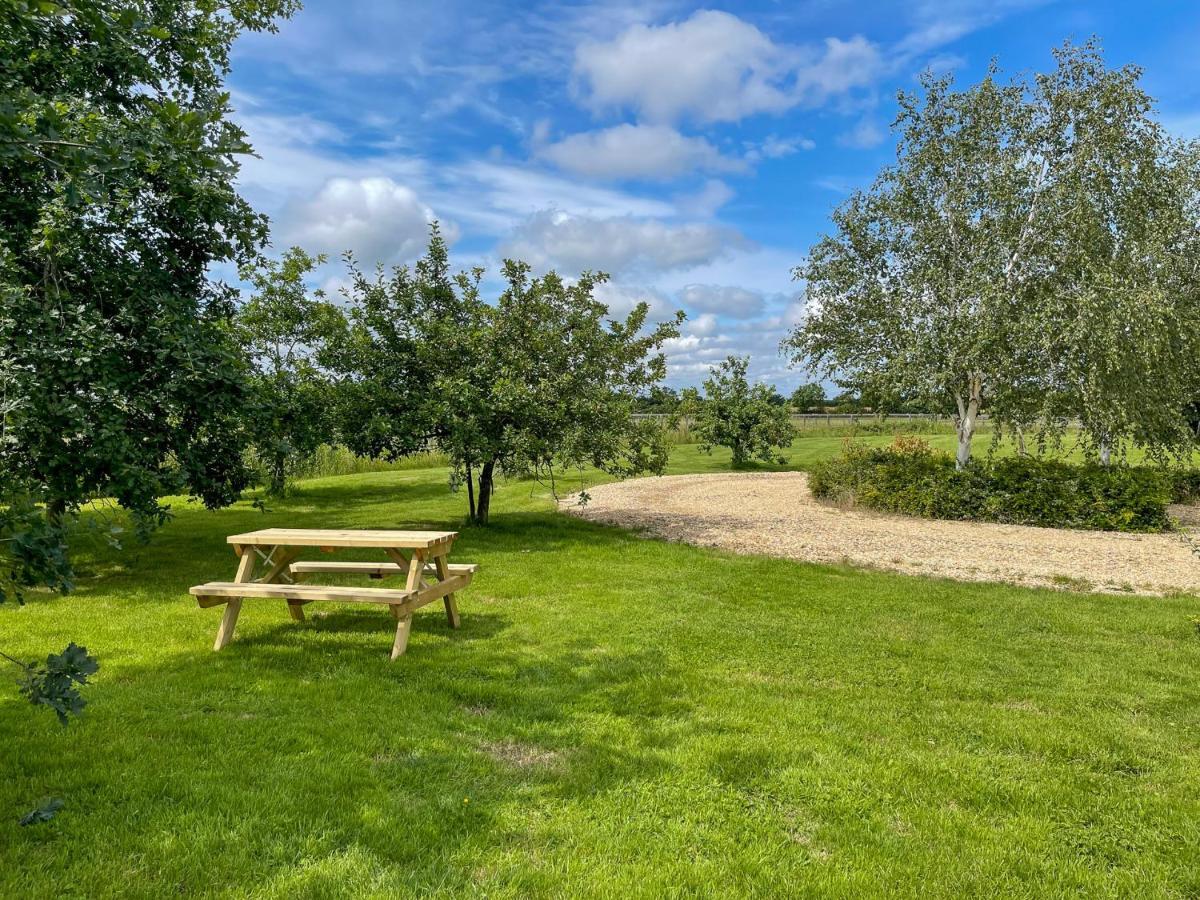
<point>571,243</point>
<point>715,67</point>
<point>704,325</point>
<point>865,134</point>
<point>636,151</point>
<point>621,298</point>
<point>775,147</point>
<point>725,300</point>
<point>705,202</point>
<point>940,22</point>
<point>380,220</point>
<point>497,195</point>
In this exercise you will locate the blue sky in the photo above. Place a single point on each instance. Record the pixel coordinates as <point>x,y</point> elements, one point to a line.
<point>692,152</point>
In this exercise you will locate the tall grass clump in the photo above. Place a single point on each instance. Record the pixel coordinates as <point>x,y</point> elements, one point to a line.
<point>334,459</point>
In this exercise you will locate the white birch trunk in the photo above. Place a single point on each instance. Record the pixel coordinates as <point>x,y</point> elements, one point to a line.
<point>964,423</point>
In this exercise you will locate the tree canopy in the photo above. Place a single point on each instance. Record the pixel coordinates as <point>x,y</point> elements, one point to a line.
<point>1031,250</point>
<point>282,326</point>
<point>119,372</point>
<point>739,415</point>
<point>539,381</point>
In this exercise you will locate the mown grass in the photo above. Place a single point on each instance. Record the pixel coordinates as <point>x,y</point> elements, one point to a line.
<point>617,717</point>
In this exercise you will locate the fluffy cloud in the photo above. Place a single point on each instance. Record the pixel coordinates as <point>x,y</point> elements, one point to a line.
<point>380,220</point>
<point>725,300</point>
<point>636,151</point>
<point>571,243</point>
<point>621,298</point>
<point>705,202</point>
<point>715,67</point>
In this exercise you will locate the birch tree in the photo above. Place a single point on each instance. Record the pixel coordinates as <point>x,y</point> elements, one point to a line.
<point>1118,327</point>
<point>920,287</point>
<point>1031,251</point>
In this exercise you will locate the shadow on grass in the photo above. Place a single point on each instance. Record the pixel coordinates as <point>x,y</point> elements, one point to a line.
<point>304,735</point>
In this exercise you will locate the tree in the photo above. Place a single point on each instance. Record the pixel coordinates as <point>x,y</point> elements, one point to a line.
<point>913,293</point>
<point>658,399</point>
<point>742,416</point>
<point>539,381</point>
<point>1119,332</point>
<point>808,397</point>
<point>119,372</point>
<point>281,326</point>
<point>119,376</point>
<point>1029,251</point>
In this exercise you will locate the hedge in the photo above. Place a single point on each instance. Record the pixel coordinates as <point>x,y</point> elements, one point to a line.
<point>911,477</point>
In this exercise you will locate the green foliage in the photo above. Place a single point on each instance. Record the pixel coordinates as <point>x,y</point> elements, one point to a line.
<point>119,373</point>
<point>658,399</point>
<point>808,397</point>
<point>281,326</point>
<point>1185,485</point>
<point>539,381</point>
<point>32,551</point>
<point>1032,251</point>
<point>54,684</point>
<point>741,416</point>
<point>912,478</point>
<point>329,460</point>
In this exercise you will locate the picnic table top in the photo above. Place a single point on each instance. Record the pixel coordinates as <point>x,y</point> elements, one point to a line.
<point>329,537</point>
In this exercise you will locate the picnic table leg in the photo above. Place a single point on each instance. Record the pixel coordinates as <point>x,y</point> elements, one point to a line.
<point>403,628</point>
<point>451,606</point>
<point>234,606</point>
<point>416,568</point>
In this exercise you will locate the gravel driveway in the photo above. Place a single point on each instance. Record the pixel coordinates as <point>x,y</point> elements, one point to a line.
<point>774,514</point>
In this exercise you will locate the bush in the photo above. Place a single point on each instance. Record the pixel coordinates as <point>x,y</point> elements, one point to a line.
<point>1185,486</point>
<point>912,478</point>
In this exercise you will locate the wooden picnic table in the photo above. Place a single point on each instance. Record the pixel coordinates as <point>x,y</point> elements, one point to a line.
<point>421,556</point>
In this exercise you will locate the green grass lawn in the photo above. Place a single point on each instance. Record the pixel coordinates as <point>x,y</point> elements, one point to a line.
<point>617,717</point>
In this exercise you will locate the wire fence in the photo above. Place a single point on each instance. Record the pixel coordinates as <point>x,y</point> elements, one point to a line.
<point>829,420</point>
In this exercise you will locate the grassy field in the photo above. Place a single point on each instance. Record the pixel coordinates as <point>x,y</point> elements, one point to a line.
<point>617,717</point>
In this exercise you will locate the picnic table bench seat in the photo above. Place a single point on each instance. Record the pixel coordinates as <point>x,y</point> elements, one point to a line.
<point>215,593</point>
<point>373,569</point>
<point>418,555</point>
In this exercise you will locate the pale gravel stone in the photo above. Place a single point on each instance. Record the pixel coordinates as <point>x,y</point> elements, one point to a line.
<point>776,515</point>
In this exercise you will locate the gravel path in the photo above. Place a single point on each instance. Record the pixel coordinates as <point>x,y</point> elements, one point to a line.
<point>774,514</point>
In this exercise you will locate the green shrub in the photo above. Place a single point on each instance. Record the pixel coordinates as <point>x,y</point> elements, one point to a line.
<point>1185,486</point>
<point>912,478</point>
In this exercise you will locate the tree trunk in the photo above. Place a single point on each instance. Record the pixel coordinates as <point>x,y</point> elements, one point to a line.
<point>470,491</point>
<point>965,421</point>
<point>278,475</point>
<point>56,512</point>
<point>1021,442</point>
<point>484,503</point>
<point>1105,451</point>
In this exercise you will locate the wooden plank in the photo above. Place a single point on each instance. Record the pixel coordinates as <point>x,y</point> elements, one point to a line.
<point>306,592</point>
<point>296,609</point>
<point>375,569</point>
<point>443,570</point>
<point>403,629</point>
<point>416,571</point>
<point>233,608</point>
<point>442,588</point>
<point>313,537</point>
